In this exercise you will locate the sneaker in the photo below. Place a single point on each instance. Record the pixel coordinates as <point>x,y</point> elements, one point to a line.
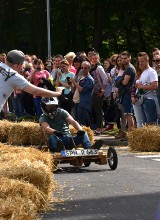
<point>97,133</point>
<point>121,134</point>
<point>60,145</point>
<point>97,145</point>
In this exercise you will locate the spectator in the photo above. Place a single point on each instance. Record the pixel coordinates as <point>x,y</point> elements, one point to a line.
<point>100,82</point>
<point>107,95</point>
<point>156,51</point>
<point>77,61</point>
<point>157,69</point>
<point>56,66</point>
<point>11,79</point>
<point>69,57</point>
<point>90,52</point>
<point>36,78</point>
<point>125,88</point>
<point>137,100</point>
<point>85,89</point>
<point>63,80</point>
<point>148,82</point>
<point>111,107</point>
<point>120,119</point>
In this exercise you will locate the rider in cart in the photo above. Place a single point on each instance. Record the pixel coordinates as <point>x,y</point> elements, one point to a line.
<point>55,123</point>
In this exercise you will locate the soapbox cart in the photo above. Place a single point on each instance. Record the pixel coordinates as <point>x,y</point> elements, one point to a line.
<point>84,157</point>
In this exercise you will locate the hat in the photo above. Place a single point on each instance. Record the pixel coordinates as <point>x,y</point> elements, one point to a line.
<point>15,57</point>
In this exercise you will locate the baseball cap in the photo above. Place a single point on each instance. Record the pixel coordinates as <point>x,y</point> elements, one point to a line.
<point>15,57</point>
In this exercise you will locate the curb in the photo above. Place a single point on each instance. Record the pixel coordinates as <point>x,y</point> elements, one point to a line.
<point>111,141</point>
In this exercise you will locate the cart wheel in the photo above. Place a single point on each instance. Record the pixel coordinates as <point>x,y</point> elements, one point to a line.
<point>87,163</point>
<point>112,158</point>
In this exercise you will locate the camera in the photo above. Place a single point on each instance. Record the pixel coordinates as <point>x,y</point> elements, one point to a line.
<point>68,78</point>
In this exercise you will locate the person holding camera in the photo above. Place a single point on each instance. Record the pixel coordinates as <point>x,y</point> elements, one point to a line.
<point>63,80</point>
<point>55,123</point>
<point>36,77</point>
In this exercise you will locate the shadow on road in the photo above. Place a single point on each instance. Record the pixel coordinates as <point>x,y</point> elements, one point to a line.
<point>137,207</point>
<point>82,169</point>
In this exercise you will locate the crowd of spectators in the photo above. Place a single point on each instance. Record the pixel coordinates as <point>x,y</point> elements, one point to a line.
<point>97,94</point>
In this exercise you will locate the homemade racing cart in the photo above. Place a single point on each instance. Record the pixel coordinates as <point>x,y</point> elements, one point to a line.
<point>79,157</point>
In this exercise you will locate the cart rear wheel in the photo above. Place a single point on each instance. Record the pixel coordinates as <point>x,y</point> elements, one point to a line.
<point>112,158</point>
<point>87,163</point>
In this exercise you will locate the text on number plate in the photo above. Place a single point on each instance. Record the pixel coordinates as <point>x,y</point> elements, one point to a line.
<point>78,153</point>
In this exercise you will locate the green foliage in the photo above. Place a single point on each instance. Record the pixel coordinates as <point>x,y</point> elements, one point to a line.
<point>108,25</point>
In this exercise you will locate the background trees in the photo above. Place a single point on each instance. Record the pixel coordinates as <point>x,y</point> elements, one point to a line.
<point>108,25</point>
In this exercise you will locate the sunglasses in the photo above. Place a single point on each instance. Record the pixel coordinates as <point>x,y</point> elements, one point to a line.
<point>156,61</point>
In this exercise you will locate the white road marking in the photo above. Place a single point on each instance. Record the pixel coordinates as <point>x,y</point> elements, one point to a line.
<point>149,156</point>
<point>155,157</point>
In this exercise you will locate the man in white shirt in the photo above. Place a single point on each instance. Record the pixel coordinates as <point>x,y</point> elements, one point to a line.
<point>11,79</point>
<point>148,82</point>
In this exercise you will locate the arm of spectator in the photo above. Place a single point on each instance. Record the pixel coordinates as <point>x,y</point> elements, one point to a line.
<point>37,91</point>
<point>126,80</point>
<point>152,86</point>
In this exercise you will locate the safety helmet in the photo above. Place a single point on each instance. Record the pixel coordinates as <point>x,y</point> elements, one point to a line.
<point>49,105</point>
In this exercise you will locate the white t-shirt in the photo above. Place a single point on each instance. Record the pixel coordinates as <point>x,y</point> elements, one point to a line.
<point>147,77</point>
<point>14,81</point>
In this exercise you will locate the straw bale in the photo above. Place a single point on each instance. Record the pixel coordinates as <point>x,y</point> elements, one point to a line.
<point>21,198</point>
<point>144,139</point>
<point>26,133</point>
<point>5,127</point>
<point>35,172</point>
<point>86,129</point>
<point>8,152</point>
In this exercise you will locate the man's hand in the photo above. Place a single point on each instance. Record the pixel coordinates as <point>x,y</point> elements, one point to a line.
<point>58,133</point>
<point>80,133</point>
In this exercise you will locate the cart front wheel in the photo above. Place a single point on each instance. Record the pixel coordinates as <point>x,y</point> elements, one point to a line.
<point>112,158</point>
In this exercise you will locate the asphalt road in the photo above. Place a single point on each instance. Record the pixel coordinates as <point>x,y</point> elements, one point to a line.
<point>131,192</point>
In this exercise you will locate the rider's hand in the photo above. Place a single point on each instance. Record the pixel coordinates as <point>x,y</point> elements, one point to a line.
<point>58,133</point>
<point>80,133</point>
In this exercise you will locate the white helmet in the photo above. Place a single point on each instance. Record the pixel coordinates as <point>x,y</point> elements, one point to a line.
<point>49,105</point>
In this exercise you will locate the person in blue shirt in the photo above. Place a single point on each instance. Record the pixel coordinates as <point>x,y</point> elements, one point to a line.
<point>85,88</point>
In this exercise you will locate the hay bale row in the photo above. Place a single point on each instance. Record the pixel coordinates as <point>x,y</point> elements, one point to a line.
<point>146,139</point>
<point>9,152</point>
<point>5,127</point>
<point>20,200</point>
<point>26,182</point>
<point>29,133</point>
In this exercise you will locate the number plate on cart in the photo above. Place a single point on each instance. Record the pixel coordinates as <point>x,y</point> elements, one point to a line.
<point>79,153</point>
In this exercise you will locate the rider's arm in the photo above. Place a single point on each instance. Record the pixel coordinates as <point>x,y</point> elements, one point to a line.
<point>74,123</point>
<point>46,128</point>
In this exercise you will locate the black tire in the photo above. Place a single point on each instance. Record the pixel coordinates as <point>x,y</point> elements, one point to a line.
<point>112,158</point>
<point>87,163</point>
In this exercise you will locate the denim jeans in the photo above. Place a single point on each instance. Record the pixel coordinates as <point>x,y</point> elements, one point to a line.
<point>139,115</point>
<point>18,106</point>
<point>150,112</point>
<point>84,140</point>
<point>37,102</point>
<point>84,117</point>
<point>76,111</point>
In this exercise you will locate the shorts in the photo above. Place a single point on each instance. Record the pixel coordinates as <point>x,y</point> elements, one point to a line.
<point>127,104</point>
